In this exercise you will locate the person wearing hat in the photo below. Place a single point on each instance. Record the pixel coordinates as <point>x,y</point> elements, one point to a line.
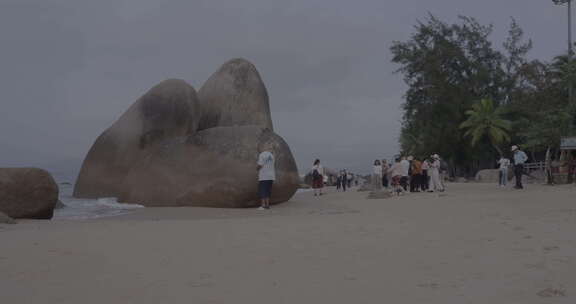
<point>519,159</point>
<point>435,174</point>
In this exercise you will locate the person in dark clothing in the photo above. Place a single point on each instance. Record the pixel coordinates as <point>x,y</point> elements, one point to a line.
<point>425,177</point>
<point>519,159</point>
<point>416,175</point>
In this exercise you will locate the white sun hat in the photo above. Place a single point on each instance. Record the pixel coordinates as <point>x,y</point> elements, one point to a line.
<point>514,148</point>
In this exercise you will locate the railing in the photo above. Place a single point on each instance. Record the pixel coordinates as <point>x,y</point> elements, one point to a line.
<point>535,166</point>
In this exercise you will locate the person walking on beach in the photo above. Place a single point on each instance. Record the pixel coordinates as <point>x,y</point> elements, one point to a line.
<point>425,178</point>
<point>266,177</point>
<point>344,180</point>
<point>504,164</point>
<point>349,179</point>
<point>443,172</point>
<point>435,174</point>
<point>416,175</point>
<point>317,177</point>
<point>405,165</point>
<point>377,175</point>
<point>519,159</point>
<point>396,172</point>
<point>385,173</point>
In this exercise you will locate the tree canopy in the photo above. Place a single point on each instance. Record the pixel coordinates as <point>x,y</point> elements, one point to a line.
<point>466,98</point>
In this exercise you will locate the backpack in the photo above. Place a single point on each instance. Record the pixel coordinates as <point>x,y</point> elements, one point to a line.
<point>315,174</point>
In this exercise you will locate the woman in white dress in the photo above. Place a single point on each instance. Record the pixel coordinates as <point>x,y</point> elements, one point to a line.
<point>377,175</point>
<point>435,174</point>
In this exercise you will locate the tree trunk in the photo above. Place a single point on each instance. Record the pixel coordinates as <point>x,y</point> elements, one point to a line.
<point>548,170</point>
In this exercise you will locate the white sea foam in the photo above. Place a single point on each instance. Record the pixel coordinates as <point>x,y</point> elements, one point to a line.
<point>83,209</point>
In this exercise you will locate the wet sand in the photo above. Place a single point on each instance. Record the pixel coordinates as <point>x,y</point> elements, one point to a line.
<point>476,243</point>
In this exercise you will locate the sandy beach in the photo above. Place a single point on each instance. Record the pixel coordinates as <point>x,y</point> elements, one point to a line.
<point>474,244</point>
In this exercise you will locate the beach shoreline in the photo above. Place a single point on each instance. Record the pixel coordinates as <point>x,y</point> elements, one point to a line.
<point>476,243</point>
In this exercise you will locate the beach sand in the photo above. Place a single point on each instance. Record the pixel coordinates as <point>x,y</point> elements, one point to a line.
<point>476,243</point>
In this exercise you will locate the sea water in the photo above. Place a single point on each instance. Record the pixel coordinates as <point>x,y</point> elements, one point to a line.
<point>84,209</point>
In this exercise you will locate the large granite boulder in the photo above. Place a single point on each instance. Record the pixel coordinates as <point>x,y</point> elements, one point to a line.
<point>235,96</point>
<point>214,168</point>
<point>4,219</point>
<point>27,193</point>
<point>208,158</point>
<point>168,110</point>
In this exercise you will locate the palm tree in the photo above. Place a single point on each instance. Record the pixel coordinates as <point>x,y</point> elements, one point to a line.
<point>486,121</point>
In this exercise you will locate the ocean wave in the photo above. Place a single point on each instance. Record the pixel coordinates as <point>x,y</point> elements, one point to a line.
<point>84,209</point>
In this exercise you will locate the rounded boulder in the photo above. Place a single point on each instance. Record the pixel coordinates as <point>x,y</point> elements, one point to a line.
<point>213,168</point>
<point>235,96</point>
<point>27,193</point>
<point>168,110</point>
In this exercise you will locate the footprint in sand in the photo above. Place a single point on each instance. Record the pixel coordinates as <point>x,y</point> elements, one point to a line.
<point>537,266</point>
<point>548,249</point>
<point>551,292</point>
<point>431,285</point>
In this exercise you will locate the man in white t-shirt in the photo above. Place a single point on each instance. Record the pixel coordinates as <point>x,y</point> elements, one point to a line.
<point>266,177</point>
<point>405,165</point>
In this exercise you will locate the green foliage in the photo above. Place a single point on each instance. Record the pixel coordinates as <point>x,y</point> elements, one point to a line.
<point>547,129</point>
<point>449,67</point>
<point>486,121</point>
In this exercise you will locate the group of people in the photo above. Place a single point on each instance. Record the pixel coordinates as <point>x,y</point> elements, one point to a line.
<point>344,180</point>
<point>408,173</point>
<point>519,158</point>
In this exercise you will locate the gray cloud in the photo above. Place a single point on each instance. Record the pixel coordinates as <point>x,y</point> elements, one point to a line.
<point>69,68</point>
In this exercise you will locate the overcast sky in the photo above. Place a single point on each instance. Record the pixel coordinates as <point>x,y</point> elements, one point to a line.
<point>69,68</point>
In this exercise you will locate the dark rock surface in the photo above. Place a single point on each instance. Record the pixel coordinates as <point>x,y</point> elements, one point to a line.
<point>4,219</point>
<point>172,148</point>
<point>235,96</point>
<point>27,193</point>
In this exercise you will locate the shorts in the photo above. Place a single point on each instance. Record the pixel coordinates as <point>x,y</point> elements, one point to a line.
<point>265,188</point>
